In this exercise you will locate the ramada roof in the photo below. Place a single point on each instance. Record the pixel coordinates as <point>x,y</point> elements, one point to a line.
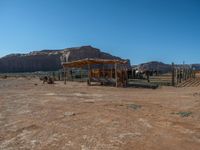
<point>90,61</point>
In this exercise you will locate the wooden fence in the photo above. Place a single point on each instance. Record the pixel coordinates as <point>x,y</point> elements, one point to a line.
<point>181,74</point>
<point>177,75</point>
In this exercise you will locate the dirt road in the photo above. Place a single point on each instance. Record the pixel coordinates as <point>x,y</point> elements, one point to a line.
<point>75,116</point>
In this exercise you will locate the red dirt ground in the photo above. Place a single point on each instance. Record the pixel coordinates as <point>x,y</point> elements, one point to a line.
<point>78,117</point>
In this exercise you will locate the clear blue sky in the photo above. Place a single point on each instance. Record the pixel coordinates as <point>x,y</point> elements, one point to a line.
<point>141,30</point>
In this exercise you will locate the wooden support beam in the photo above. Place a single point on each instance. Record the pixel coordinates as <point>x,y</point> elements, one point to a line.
<point>180,76</point>
<point>176,76</point>
<point>111,73</point>
<point>89,75</point>
<point>173,75</point>
<point>184,74</point>
<point>116,75</point>
<point>103,74</point>
<point>65,76</point>
<point>132,73</point>
<point>126,76</point>
<point>81,74</point>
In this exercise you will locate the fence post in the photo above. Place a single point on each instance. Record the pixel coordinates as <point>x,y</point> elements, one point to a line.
<point>173,75</point>
<point>116,78</point>
<point>180,75</point>
<point>65,76</point>
<point>53,74</point>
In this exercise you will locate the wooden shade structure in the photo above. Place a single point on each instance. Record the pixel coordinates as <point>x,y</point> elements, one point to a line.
<point>84,62</point>
<point>88,62</point>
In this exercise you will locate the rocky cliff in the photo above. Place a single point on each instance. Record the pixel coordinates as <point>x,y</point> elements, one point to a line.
<point>48,60</point>
<point>164,68</point>
<point>156,66</point>
<point>34,61</point>
<point>196,67</point>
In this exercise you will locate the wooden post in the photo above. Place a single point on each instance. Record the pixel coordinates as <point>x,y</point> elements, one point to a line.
<point>132,73</point>
<point>126,76</point>
<point>176,76</point>
<point>181,75</point>
<point>111,76</point>
<point>65,75</point>
<point>81,74</point>
<point>148,74</point>
<point>89,80</point>
<point>58,75</point>
<point>184,74</point>
<point>193,74</point>
<point>71,74</point>
<point>116,75</point>
<point>61,75</point>
<point>53,76</point>
<point>173,75</point>
<point>188,73</point>
<point>103,74</point>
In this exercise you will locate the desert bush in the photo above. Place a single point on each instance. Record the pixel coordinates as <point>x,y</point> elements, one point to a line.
<point>184,113</point>
<point>134,106</point>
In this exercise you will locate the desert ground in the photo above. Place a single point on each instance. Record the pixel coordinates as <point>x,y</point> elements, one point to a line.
<point>37,116</point>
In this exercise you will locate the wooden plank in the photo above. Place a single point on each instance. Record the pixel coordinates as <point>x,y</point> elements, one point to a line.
<point>116,75</point>
<point>173,75</point>
<point>65,75</point>
<point>89,75</point>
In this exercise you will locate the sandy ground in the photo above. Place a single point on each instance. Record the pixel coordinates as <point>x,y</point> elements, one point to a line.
<point>78,117</point>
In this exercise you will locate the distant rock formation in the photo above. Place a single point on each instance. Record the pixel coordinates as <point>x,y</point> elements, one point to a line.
<point>196,67</point>
<point>48,60</point>
<point>34,61</point>
<point>85,52</point>
<point>155,66</point>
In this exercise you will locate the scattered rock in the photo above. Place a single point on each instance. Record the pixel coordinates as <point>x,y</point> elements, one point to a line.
<point>184,113</point>
<point>145,123</point>
<point>129,135</point>
<point>134,106</point>
<point>196,94</point>
<point>88,101</point>
<point>83,147</point>
<point>69,114</point>
<point>50,94</point>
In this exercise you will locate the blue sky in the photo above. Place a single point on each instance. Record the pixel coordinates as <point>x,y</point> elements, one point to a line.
<point>140,30</point>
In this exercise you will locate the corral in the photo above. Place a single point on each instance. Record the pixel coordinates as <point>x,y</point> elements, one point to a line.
<point>117,73</point>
